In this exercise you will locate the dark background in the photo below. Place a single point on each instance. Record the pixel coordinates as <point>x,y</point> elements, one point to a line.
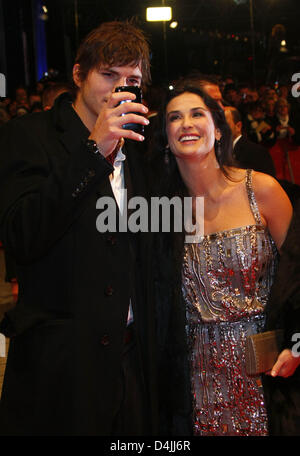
<point>213,36</point>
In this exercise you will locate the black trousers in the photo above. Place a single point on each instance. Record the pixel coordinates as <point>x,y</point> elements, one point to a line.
<point>131,416</point>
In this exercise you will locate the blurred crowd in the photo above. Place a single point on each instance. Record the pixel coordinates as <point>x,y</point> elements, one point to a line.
<point>25,101</point>
<point>268,112</point>
<point>267,115</point>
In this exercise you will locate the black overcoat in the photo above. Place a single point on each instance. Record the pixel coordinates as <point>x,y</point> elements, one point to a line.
<point>250,155</point>
<point>283,312</point>
<point>75,283</point>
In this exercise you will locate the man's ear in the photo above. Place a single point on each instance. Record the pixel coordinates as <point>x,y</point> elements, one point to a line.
<point>218,134</point>
<point>76,74</point>
<point>239,126</point>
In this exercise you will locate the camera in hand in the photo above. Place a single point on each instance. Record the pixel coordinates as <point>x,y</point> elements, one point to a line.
<point>138,128</point>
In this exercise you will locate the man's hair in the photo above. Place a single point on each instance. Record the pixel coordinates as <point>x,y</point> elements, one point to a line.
<point>114,44</point>
<point>52,91</point>
<point>235,114</point>
<point>202,80</point>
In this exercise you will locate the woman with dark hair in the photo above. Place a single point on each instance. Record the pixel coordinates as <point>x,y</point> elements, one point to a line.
<point>212,292</point>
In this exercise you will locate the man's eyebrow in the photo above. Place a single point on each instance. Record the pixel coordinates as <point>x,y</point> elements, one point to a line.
<point>116,72</point>
<point>133,75</point>
<point>109,69</point>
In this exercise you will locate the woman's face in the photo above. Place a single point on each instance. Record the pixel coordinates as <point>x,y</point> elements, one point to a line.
<point>190,127</point>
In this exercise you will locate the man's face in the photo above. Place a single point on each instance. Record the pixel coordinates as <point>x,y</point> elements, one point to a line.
<point>257,113</point>
<point>34,99</point>
<point>232,96</point>
<point>21,96</point>
<point>214,92</point>
<point>282,108</point>
<point>96,89</point>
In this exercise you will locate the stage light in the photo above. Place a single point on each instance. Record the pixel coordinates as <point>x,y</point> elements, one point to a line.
<point>159,14</point>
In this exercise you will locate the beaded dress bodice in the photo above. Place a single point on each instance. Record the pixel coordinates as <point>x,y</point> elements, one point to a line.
<point>227,278</point>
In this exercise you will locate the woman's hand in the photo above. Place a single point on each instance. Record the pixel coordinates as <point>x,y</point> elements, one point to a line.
<point>285,365</point>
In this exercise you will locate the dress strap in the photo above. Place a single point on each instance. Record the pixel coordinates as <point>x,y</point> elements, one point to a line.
<point>251,197</point>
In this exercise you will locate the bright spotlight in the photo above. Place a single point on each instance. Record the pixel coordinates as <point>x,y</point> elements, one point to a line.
<point>159,14</point>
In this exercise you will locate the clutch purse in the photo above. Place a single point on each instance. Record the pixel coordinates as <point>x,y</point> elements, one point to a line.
<point>262,350</point>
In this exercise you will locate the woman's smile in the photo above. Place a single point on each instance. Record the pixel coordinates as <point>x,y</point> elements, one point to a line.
<point>190,127</point>
<point>187,139</point>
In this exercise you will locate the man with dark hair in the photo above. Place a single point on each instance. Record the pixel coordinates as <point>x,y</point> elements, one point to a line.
<point>51,92</point>
<point>246,153</point>
<point>213,90</point>
<point>209,84</point>
<point>81,360</point>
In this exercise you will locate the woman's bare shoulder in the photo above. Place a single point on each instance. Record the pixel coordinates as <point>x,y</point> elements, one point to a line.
<point>274,205</point>
<point>266,186</point>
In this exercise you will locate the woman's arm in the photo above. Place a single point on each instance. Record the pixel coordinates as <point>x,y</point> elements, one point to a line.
<point>274,206</point>
<point>276,210</point>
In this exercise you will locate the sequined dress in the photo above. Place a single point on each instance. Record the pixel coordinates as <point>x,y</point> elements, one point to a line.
<point>227,277</point>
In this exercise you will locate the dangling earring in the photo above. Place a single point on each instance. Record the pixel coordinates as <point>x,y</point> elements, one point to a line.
<point>218,148</point>
<point>167,155</point>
